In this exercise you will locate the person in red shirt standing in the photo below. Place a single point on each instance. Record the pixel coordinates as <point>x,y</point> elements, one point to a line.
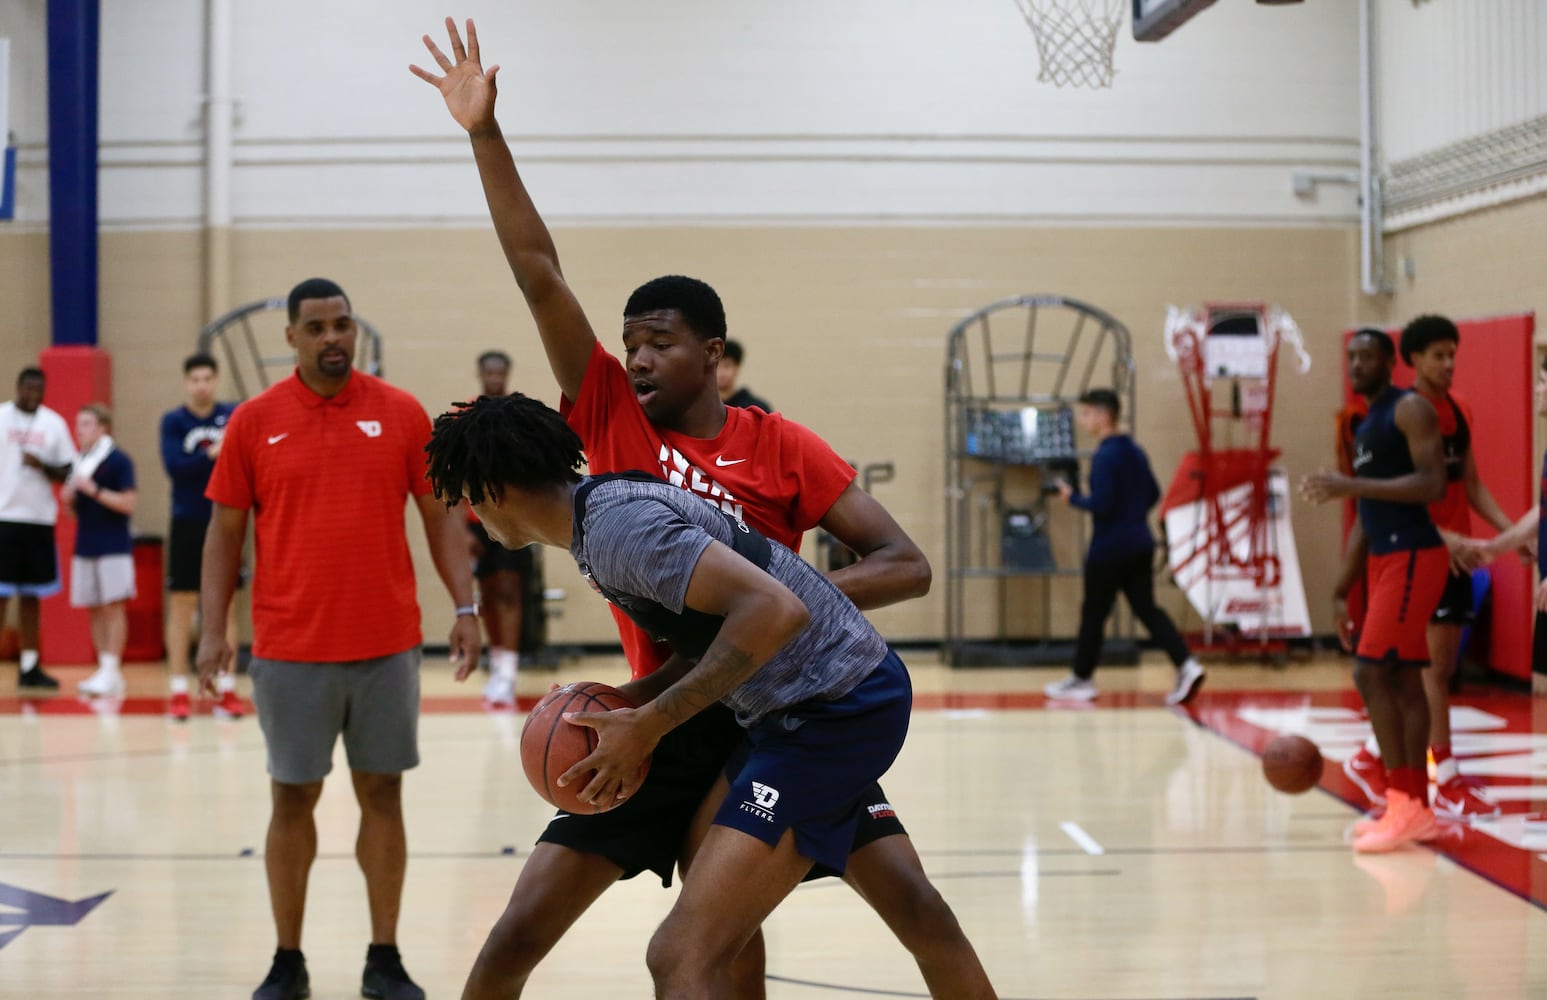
<point>1429,344</point>
<point>661,412</point>
<point>324,461</point>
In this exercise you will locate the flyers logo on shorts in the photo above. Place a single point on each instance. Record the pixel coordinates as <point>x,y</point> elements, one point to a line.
<point>763,799</point>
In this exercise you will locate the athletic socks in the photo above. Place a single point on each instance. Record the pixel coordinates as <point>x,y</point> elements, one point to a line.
<point>504,663</point>
<point>1372,747</point>
<point>179,685</point>
<point>1445,767</point>
<point>1413,781</point>
<point>108,663</point>
<point>225,683</point>
<point>29,660</point>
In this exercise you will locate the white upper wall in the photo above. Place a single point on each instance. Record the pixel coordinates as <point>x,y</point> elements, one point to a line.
<point>1449,70</point>
<point>707,111</point>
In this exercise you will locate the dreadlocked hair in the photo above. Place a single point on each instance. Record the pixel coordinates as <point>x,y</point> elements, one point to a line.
<point>477,449</point>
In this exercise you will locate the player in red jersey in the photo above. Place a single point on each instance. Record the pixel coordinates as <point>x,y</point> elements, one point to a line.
<point>324,462</point>
<point>663,413</point>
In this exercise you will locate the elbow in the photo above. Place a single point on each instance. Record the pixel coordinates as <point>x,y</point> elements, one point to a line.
<point>920,576</point>
<point>1436,490</point>
<point>787,618</point>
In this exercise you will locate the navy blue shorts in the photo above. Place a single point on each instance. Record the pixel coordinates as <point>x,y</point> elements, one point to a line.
<point>810,767</point>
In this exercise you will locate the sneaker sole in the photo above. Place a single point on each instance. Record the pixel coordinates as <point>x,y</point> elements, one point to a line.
<point>1188,695</point>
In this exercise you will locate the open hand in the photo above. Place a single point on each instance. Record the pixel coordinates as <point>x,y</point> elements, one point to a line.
<point>622,750</point>
<point>215,657</point>
<point>1319,487</point>
<point>467,87</point>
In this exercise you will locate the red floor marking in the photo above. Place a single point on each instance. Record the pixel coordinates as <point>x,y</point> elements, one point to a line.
<point>1520,870</point>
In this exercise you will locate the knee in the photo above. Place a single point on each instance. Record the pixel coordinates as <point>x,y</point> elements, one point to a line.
<point>672,956</point>
<point>379,793</point>
<point>515,946</point>
<point>292,802</point>
<point>921,916</point>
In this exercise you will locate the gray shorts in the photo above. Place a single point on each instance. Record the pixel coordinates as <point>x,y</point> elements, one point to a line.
<point>303,707</point>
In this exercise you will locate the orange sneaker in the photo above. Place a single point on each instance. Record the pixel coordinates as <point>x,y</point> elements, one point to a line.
<point>1407,821</point>
<point>178,707</point>
<point>1367,772</point>
<point>231,705</point>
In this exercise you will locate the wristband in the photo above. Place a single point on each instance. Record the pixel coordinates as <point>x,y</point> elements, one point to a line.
<point>467,609</point>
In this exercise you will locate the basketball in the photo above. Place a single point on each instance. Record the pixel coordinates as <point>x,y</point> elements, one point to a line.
<point>1291,764</point>
<point>550,746</point>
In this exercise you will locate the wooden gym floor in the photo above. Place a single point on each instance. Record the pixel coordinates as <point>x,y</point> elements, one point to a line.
<point>1114,851</point>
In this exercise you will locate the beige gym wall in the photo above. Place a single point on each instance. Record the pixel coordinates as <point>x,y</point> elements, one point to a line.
<point>845,331</point>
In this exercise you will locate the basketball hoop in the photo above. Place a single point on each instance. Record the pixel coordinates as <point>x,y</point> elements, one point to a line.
<point>1075,39</point>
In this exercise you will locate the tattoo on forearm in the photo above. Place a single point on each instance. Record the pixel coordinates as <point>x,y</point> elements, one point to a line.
<point>720,671</point>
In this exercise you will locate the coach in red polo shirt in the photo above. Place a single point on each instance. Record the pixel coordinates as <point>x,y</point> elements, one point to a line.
<point>325,461</point>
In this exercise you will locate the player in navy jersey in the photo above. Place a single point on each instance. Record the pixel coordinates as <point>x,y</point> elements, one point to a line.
<point>824,699</point>
<point>190,442</point>
<point>1399,468</point>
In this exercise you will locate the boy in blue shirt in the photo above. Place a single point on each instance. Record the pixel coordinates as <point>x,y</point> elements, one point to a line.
<point>1121,553</point>
<point>190,441</point>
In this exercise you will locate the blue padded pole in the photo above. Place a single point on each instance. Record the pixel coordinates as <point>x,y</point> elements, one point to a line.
<point>73,31</point>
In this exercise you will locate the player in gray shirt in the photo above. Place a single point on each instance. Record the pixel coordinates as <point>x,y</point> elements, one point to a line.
<point>824,700</point>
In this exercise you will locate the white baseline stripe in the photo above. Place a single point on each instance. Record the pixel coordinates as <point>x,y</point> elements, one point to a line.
<point>1079,836</point>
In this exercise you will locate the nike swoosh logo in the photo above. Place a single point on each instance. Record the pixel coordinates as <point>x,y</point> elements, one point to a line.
<point>722,463</point>
<point>278,437</point>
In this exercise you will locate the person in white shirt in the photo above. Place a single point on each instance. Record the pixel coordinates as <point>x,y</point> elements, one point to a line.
<point>36,451</point>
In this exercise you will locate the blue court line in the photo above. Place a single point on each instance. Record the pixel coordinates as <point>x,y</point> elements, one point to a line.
<point>870,991</point>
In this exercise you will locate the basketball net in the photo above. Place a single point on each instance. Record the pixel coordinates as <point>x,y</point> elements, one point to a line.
<point>1075,39</point>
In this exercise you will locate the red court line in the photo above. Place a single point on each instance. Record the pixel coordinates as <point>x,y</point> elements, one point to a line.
<point>1520,871</point>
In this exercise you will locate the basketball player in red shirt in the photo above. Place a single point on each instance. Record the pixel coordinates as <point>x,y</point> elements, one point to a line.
<point>662,413</point>
<point>324,462</point>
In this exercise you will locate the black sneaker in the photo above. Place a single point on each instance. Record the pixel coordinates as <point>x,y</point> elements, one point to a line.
<point>287,978</point>
<point>385,978</point>
<point>37,680</point>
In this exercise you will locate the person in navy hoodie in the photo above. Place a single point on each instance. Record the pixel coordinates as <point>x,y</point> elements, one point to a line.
<point>190,442</point>
<point>1121,553</point>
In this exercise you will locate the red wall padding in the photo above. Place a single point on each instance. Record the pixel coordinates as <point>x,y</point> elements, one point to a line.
<point>1495,369</point>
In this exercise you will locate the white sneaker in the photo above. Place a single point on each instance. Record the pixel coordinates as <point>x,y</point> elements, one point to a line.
<point>1072,688</point>
<point>103,684</point>
<point>500,690</point>
<point>1189,678</point>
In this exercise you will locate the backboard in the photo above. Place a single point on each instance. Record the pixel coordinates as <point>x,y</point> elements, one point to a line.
<point>1155,19</point>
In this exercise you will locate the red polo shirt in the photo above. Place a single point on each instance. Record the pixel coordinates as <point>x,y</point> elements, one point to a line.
<point>328,480</point>
<point>772,473</point>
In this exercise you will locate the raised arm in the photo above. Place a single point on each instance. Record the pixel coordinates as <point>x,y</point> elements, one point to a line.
<point>469,91</point>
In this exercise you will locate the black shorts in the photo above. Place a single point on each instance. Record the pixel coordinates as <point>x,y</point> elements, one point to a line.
<point>496,558</point>
<point>29,562</point>
<point>1456,602</point>
<point>647,832</point>
<point>185,554</point>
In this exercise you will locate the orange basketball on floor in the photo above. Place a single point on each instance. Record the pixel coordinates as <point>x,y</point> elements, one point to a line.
<point>1291,763</point>
<point>550,746</point>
